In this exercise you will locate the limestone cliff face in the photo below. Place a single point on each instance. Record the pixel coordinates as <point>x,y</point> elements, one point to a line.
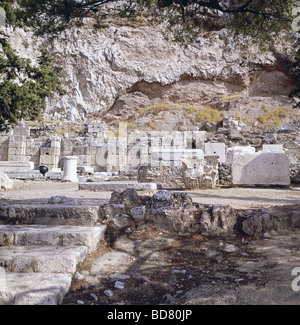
<point>123,68</point>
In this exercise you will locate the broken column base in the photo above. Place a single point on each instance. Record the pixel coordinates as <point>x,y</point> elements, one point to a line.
<point>70,169</point>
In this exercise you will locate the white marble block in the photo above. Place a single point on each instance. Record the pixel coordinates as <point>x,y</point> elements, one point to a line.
<point>265,168</point>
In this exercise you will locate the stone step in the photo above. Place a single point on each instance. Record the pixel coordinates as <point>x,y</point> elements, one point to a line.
<point>43,259</point>
<point>33,288</point>
<point>34,235</point>
<point>49,214</point>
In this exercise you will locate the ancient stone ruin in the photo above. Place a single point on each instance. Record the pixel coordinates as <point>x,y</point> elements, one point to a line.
<point>131,76</point>
<point>42,243</point>
<point>179,159</point>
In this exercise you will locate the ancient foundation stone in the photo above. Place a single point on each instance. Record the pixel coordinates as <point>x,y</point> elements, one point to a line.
<point>280,220</point>
<point>217,218</point>
<point>35,288</point>
<point>44,259</point>
<point>5,182</point>
<point>38,235</point>
<point>56,214</point>
<point>129,198</point>
<point>16,165</point>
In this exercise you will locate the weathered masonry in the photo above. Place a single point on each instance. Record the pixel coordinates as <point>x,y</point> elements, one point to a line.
<point>101,149</point>
<point>195,157</point>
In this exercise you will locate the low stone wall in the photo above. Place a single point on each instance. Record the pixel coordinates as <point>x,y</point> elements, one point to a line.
<point>266,222</point>
<point>175,212</point>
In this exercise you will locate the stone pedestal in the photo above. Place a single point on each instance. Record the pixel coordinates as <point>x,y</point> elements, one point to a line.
<point>70,169</point>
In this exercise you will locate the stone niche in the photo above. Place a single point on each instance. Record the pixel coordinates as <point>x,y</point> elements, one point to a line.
<point>261,168</point>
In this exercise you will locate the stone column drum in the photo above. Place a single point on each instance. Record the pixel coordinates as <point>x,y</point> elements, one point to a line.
<point>70,169</point>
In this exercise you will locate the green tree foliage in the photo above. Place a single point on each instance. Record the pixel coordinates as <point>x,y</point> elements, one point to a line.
<point>251,17</point>
<point>24,87</point>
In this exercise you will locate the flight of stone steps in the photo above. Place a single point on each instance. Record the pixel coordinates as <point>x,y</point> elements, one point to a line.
<point>40,249</point>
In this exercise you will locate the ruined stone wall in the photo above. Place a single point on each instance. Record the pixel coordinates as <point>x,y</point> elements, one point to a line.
<point>101,149</point>
<point>105,150</point>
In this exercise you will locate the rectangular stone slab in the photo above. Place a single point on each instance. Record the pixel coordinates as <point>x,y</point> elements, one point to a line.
<point>116,186</point>
<point>47,214</point>
<point>16,165</point>
<point>43,259</point>
<point>21,235</point>
<point>262,168</point>
<point>34,288</point>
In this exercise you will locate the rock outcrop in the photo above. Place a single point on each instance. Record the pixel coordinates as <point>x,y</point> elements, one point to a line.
<point>171,211</point>
<point>122,68</point>
<point>257,222</point>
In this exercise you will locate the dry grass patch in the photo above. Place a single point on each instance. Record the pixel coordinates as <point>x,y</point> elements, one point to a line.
<point>273,117</point>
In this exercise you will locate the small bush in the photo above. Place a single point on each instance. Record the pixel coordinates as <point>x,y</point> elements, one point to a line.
<point>152,126</point>
<point>131,126</point>
<point>209,114</point>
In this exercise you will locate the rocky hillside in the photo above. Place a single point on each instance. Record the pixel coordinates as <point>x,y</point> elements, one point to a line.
<point>132,73</point>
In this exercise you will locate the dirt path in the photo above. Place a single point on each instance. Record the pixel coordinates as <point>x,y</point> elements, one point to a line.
<point>236,197</point>
<point>248,197</point>
<point>41,191</point>
<point>153,267</point>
